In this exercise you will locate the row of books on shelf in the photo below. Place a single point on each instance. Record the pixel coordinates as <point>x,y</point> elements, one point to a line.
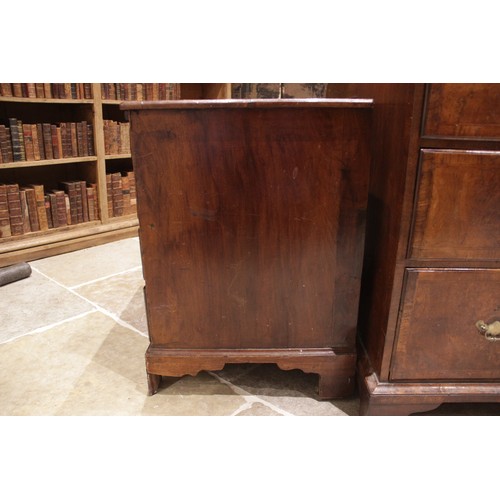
<point>116,137</point>
<point>45,141</point>
<point>140,91</point>
<point>33,208</point>
<point>47,90</point>
<point>121,193</point>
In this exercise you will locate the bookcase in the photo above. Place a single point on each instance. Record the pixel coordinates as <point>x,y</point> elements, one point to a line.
<point>103,167</point>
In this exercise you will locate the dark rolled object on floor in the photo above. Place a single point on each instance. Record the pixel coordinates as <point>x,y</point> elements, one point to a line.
<point>15,272</point>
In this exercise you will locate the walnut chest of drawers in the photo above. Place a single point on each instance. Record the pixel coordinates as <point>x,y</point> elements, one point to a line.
<point>430,314</point>
<point>252,226</point>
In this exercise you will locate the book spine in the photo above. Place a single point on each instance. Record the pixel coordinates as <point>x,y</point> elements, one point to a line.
<point>139,91</point>
<point>116,138</point>
<point>21,139</point>
<point>53,209</point>
<point>17,152</point>
<point>133,195</point>
<point>68,209</point>
<point>48,211</point>
<point>54,137</point>
<point>47,141</point>
<point>28,142</point>
<point>40,206</point>
<point>36,144</point>
<point>91,202</point>
<point>116,186</point>
<point>17,90</point>
<point>90,140</point>
<point>87,90</point>
<point>31,90</point>
<point>66,139</point>
<point>70,189</point>
<point>124,146</point>
<point>74,140</point>
<point>126,194</point>
<point>15,210</point>
<point>47,90</point>
<point>5,230</point>
<point>79,202</point>
<point>85,145</point>
<point>6,144</point>
<point>109,194</point>
<point>79,138</point>
<point>97,214</point>
<point>24,212</point>
<point>40,91</point>
<point>59,142</point>
<point>32,209</point>
<point>39,134</point>
<point>85,205</point>
<point>61,207</point>
<point>6,89</point>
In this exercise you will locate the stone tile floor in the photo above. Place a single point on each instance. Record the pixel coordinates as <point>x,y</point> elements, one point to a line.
<point>73,339</point>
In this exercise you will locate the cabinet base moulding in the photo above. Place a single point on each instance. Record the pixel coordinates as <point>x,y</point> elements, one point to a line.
<point>336,370</point>
<point>404,398</point>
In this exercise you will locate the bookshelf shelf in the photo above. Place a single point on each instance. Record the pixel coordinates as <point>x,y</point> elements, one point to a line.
<point>42,100</point>
<point>44,163</point>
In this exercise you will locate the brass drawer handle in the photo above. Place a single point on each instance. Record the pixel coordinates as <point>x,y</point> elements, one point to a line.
<point>490,331</point>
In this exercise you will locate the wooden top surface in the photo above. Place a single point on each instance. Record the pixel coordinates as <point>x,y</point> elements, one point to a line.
<point>248,103</point>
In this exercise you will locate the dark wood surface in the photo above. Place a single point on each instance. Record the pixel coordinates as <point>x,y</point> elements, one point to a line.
<point>438,338</point>
<point>395,121</point>
<point>432,253</point>
<point>252,222</point>
<point>457,211</point>
<point>463,110</point>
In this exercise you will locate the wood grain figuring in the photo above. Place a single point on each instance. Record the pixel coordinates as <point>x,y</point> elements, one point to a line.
<point>252,225</point>
<point>438,338</point>
<point>389,209</point>
<point>463,110</point>
<point>457,215</point>
<point>432,251</point>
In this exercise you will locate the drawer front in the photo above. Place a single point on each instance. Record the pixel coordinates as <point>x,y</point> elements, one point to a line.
<point>457,212</point>
<point>463,111</point>
<point>438,338</point>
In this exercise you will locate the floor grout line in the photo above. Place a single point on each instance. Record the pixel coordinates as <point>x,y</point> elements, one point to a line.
<point>97,307</point>
<point>42,329</point>
<point>250,398</point>
<point>136,268</point>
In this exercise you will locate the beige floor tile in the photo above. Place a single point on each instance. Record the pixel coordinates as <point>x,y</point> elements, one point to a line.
<point>293,391</point>
<point>39,371</point>
<point>191,405</point>
<point>269,380</point>
<point>202,395</point>
<point>122,295</point>
<point>301,406</point>
<point>258,410</point>
<point>89,264</point>
<point>94,366</point>
<point>35,302</point>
